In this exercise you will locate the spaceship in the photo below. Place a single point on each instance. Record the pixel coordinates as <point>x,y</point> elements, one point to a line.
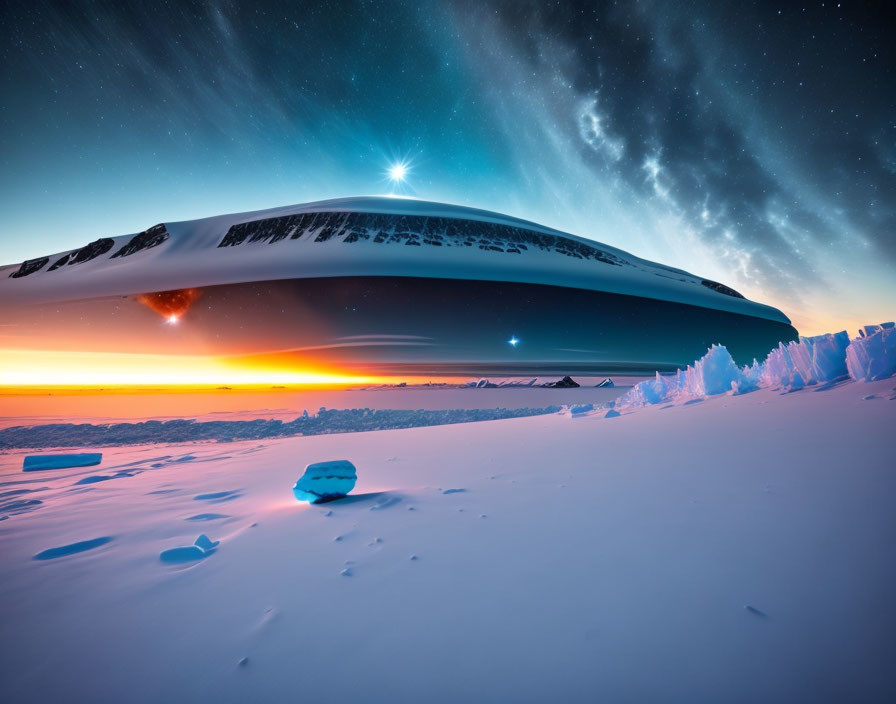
<point>382,284</point>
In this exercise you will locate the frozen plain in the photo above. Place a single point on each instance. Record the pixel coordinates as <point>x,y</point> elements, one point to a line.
<point>737,548</point>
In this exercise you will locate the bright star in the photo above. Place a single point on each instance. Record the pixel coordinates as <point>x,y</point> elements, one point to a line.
<point>513,342</point>
<point>397,172</point>
<point>172,320</point>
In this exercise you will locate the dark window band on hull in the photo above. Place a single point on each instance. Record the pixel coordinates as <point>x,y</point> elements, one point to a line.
<point>411,230</point>
<point>85,254</point>
<point>62,261</point>
<point>153,237</point>
<point>29,266</point>
<point>721,288</point>
<point>147,239</point>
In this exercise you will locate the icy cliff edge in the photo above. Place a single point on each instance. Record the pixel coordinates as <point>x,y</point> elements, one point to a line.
<point>810,361</point>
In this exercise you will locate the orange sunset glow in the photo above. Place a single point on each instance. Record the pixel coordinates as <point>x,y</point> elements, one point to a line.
<point>46,369</point>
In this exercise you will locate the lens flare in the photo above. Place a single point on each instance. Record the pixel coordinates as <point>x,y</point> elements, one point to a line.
<point>398,172</point>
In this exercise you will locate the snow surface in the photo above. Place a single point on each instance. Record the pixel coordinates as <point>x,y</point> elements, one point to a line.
<point>285,405</point>
<point>737,549</point>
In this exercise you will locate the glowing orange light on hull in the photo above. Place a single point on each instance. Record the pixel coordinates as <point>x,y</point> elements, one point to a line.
<point>171,305</point>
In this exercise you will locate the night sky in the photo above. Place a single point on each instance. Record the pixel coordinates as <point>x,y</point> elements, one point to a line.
<point>753,144</point>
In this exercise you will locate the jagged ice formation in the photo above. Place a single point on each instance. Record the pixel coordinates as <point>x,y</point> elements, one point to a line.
<point>810,361</point>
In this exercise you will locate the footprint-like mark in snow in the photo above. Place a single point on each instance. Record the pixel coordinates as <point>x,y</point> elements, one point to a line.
<point>193,458</point>
<point>95,479</point>
<point>168,460</point>
<point>218,496</point>
<point>385,502</point>
<point>17,492</point>
<point>270,615</point>
<point>72,548</point>
<point>207,517</point>
<point>13,508</point>
<point>756,612</point>
<point>157,460</point>
<point>453,491</point>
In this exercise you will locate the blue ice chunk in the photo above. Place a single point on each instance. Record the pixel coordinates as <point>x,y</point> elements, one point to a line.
<point>873,356</point>
<point>581,409</point>
<point>203,547</point>
<point>612,413</point>
<point>35,463</point>
<point>204,542</point>
<point>72,548</point>
<point>325,481</point>
<point>187,553</point>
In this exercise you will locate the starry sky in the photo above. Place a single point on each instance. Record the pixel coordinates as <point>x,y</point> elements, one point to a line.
<point>750,143</point>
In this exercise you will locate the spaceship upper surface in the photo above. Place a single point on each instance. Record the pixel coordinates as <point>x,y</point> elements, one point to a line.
<point>359,236</point>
